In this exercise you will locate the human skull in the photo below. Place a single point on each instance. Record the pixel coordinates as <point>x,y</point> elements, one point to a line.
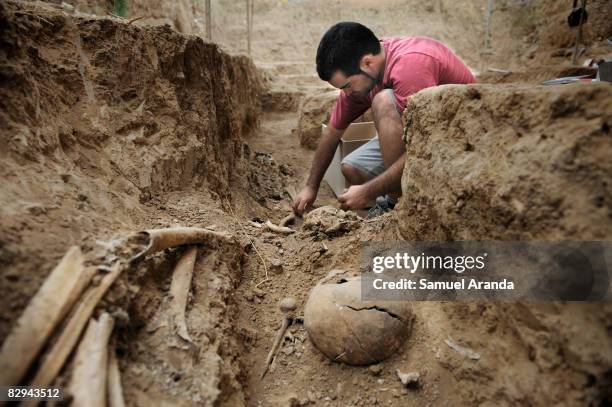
<point>350,330</point>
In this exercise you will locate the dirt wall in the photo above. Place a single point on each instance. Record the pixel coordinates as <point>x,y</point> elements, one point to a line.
<point>516,162</point>
<point>508,162</point>
<point>98,118</point>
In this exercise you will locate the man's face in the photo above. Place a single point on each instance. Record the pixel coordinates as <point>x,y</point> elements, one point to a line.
<point>359,84</point>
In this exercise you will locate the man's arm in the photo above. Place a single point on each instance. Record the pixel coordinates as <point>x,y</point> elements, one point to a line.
<point>358,196</point>
<point>323,157</point>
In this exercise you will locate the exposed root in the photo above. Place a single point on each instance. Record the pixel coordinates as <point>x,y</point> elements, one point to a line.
<point>263,262</point>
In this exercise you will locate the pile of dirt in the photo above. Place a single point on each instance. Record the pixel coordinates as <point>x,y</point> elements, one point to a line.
<point>108,128</point>
<point>111,126</point>
<point>535,75</point>
<point>315,110</point>
<point>157,365</point>
<point>548,37</point>
<point>515,162</point>
<point>508,162</point>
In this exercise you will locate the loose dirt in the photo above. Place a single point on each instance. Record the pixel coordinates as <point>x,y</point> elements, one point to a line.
<point>110,127</point>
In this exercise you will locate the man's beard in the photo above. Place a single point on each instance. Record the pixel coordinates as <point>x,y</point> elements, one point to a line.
<point>369,89</point>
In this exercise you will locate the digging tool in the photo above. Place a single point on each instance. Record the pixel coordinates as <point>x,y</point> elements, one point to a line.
<point>179,290</point>
<point>45,311</point>
<point>286,306</point>
<point>578,15</point>
<point>88,381</point>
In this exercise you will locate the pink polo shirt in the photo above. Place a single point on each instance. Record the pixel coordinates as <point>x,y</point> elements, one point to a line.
<point>412,64</point>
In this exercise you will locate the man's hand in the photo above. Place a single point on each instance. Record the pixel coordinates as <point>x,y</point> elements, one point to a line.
<point>305,198</point>
<point>356,197</point>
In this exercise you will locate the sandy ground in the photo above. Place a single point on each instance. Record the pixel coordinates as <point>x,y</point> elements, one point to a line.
<point>112,127</point>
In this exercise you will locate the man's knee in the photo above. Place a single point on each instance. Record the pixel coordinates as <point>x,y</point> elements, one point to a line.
<point>384,104</point>
<point>352,174</point>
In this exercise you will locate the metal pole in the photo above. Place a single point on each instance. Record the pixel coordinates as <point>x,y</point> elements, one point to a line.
<point>487,44</point>
<point>251,15</point>
<point>208,21</point>
<point>579,34</point>
<point>250,7</point>
<point>248,25</point>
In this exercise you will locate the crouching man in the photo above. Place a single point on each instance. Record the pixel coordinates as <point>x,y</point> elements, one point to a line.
<point>380,74</point>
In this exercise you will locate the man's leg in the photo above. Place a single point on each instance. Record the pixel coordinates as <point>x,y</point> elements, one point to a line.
<point>354,175</point>
<point>363,164</point>
<point>389,126</point>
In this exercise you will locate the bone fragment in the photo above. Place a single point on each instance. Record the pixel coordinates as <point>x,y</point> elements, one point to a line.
<point>462,350</point>
<point>287,220</point>
<point>410,379</point>
<point>287,305</point>
<point>279,229</point>
<point>115,390</point>
<point>56,357</point>
<point>45,311</point>
<point>161,239</point>
<point>88,381</point>
<point>179,290</point>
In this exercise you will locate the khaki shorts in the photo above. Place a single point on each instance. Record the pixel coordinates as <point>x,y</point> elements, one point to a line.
<point>367,158</point>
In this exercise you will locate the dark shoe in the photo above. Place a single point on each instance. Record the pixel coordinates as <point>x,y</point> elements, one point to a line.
<point>383,205</point>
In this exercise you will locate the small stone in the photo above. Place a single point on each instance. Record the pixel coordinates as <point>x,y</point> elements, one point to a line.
<point>410,380</point>
<point>36,209</point>
<point>121,317</point>
<point>311,397</point>
<point>288,350</point>
<point>276,266</point>
<point>339,390</point>
<point>259,293</point>
<point>287,304</point>
<point>375,370</point>
<point>292,401</point>
<point>248,296</point>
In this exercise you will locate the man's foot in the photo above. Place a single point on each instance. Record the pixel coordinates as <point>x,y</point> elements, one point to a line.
<point>383,204</point>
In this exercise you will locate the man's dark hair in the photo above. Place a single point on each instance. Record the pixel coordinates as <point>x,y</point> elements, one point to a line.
<point>342,47</point>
